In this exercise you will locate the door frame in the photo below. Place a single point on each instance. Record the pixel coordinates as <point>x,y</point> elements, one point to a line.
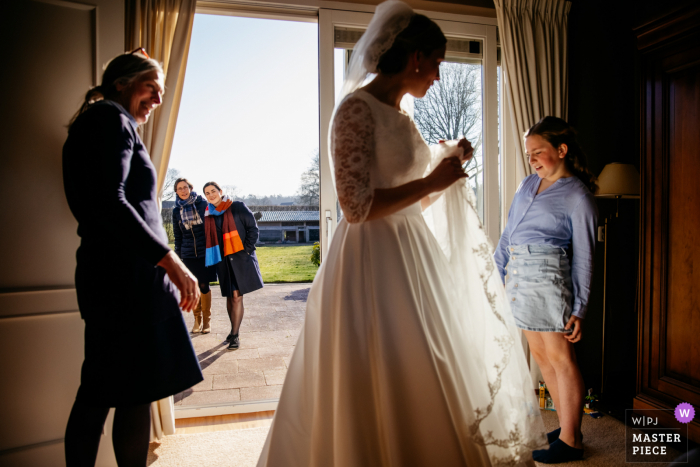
<point>460,27</point>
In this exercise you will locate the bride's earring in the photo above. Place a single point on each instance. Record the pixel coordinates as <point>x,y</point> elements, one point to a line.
<point>417,70</point>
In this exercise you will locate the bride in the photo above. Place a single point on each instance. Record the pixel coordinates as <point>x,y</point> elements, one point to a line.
<point>409,354</point>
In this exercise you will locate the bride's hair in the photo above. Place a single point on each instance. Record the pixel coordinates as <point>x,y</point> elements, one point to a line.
<point>557,132</point>
<point>421,34</point>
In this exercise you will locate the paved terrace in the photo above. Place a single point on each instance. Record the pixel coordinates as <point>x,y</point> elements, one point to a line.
<point>272,321</point>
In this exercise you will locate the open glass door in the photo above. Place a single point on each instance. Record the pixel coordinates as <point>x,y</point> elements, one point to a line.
<point>463,103</point>
<point>249,121</point>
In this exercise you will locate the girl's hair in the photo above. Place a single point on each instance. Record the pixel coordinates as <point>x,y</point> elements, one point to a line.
<point>123,69</point>
<point>421,34</point>
<point>211,184</point>
<point>557,132</point>
<point>182,179</point>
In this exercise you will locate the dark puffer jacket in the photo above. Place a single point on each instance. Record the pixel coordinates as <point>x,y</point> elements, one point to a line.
<point>190,243</point>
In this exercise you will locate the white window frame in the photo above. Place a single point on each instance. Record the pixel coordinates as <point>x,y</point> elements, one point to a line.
<point>359,15</point>
<point>454,26</point>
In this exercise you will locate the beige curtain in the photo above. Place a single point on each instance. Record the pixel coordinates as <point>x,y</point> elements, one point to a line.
<point>164,29</point>
<point>533,37</point>
<point>162,418</point>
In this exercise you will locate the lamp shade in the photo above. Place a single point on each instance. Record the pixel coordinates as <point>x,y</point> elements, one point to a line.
<point>618,179</point>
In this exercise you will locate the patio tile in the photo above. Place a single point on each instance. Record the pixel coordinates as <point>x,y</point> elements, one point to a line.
<point>287,341</point>
<point>273,320</point>
<point>260,364</point>
<point>202,344</point>
<point>260,393</point>
<point>240,354</point>
<point>290,322</point>
<point>276,351</point>
<point>212,397</point>
<point>274,377</point>
<point>240,380</point>
<point>205,385</point>
<point>206,354</point>
<point>253,340</point>
<point>217,366</point>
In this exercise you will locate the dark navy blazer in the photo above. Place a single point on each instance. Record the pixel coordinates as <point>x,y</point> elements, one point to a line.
<point>190,243</point>
<point>137,348</point>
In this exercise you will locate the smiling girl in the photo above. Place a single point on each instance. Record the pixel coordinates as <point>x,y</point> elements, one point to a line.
<point>552,210</point>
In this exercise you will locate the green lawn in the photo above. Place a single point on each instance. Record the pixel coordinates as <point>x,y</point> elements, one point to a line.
<point>284,263</point>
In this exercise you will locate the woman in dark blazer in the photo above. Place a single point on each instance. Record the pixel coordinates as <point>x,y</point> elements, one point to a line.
<point>137,348</point>
<point>190,245</point>
<point>232,232</point>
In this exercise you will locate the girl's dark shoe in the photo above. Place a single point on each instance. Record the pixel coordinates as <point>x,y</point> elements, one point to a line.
<point>234,343</point>
<point>228,338</point>
<point>557,453</point>
<point>552,436</point>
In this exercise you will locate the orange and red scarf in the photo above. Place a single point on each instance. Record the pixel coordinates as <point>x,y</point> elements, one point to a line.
<point>232,241</point>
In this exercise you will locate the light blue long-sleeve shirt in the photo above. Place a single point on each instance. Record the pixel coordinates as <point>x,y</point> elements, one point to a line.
<point>563,214</point>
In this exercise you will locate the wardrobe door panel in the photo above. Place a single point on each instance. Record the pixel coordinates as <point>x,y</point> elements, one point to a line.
<point>669,308</point>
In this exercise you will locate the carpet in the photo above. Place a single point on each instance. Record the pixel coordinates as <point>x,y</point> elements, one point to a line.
<point>604,442</point>
<point>604,446</point>
<point>235,448</point>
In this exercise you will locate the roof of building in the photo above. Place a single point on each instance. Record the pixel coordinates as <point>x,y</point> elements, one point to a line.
<point>287,216</point>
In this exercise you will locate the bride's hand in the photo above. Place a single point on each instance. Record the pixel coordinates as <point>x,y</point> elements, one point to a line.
<point>448,171</point>
<point>468,149</point>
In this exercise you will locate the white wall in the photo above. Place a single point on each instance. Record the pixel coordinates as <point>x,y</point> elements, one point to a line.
<point>53,52</point>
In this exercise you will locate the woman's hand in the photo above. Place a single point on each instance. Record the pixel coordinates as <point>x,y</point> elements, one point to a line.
<point>577,333</point>
<point>183,279</point>
<point>448,171</point>
<point>468,149</point>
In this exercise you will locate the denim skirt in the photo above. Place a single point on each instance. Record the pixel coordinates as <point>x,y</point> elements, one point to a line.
<point>539,288</point>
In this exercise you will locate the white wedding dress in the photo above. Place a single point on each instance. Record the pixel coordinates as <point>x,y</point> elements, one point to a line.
<point>392,367</point>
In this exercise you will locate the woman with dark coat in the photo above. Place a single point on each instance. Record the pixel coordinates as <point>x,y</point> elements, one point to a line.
<point>232,232</point>
<point>190,244</point>
<point>137,348</point>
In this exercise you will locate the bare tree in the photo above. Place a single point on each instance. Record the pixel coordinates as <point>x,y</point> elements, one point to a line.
<point>451,110</point>
<point>452,107</point>
<point>168,194</point>
<point>232,192</point>
<point>310,189</point>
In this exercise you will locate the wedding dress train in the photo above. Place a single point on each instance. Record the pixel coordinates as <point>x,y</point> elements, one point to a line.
<point>409,354</point>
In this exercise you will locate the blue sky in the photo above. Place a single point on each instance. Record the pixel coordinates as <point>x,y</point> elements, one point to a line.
<point>249,111</point>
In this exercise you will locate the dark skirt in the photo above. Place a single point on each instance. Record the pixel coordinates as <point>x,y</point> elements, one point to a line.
<point>137,347</point>
<point>227,277</point>
<point>203,274</point>
<point>138,364</point>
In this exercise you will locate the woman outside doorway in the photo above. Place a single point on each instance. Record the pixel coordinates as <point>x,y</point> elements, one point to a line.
<point>231,233</point>
<point>190,245</point>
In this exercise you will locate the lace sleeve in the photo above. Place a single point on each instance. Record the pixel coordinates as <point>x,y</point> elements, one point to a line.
<point>352,149</point>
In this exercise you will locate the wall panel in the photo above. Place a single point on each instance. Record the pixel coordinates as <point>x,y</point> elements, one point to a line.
<point>53,52</point>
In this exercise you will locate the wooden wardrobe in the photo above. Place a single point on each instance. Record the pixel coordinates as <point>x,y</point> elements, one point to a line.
<point>669,283</point>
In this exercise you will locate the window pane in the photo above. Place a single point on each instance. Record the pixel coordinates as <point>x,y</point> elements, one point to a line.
<point>451,110</point>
